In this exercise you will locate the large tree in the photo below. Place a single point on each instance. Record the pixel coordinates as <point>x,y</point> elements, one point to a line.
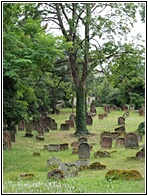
<point>91,28</point>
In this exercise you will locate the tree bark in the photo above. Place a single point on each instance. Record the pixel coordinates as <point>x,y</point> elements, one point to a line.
<point>80,111</point>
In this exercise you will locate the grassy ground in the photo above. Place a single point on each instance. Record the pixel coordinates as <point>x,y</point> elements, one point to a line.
<point>20,160</point>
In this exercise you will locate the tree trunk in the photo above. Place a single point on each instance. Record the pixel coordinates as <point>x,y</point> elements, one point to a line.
<point>80,111</point>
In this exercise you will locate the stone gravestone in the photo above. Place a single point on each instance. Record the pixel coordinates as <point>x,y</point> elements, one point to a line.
<point>106,142</point>
<point>68,169</point>
<point>132,107</point>
<point>107,108</point>
<point>28,130</point>
<point>55,174</point>
<point>72,117</point>
<point>120,142</point>
<point>113,107</point>
<point>64,146</point>
<point>100,116</point>
<point>141,153</point>
<point>114,135</point>
<point>64,127</point>
<point>125,107</point>
<point>122,128</point>
<point>121,121</point>
<point>54,147</point>
<point>53,161</point>
<point>82,164</point>
<point>89,120</point>
<point>84,151</point>
<point>131,141</point>
<point>53,126</point>
<point>82,140</point>
<point>47,121</point>
<point>141,112</point>
<point>6,140</point>
<point>93,111</point>
<point>12,136</point>
<point>105,133</point>
<point>21,125</point>
<point>40,130</point>
<point>70,122</point>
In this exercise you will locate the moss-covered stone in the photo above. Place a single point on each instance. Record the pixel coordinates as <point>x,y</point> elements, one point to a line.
<point>117,174</point>
<point>97,166</point>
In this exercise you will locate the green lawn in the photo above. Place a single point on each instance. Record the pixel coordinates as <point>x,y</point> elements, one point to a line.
<point>20,160</point>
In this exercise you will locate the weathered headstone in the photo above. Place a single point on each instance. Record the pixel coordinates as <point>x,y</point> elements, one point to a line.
<point>132,107</point>
<point>121,128</point>
<point>131,141</point>
<point>105,133</point>
<point>64,146</point>
<point>100,116</point>
<point>40,130</point>
<point>141,112</point>
<point>126,114</point>
<point>53,126</point>
<point>120,142</point>
<point>21,125</point>
<point>106,142</point>
<point>121,121</point>
<point>89,120</point>
<point>84,151</point>
<point>113,107</point>
<point>69,169</point>
<point>82,164</point>
<point>64,127</point>
<point>97,166</point>
<point>107,108</point>
<point>114,135</point>
<point>6,140</point>
<point>54,147</point>
<point>70,122</point>
<point>55,174</point>
<point>125,107</point>
<point>72,117</point>
<point>141,153</point>
<point>53,161</point>
<point>47,121</point>
<point>93,111</point>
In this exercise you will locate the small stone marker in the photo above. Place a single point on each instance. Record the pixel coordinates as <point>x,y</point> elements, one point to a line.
<point>54,147</point>
<point>107,108</point>
<point>141,153</point>
<point>64,127</point>
<point>120,142</point>
<point>121,121</point>
<point>97,166</point>
<point>64,146</point>
<point>120,129</point>
<point>72,117</point>
<point>106,142</point>
<point>105,133</point>
<point>84,151</point>
<point>100,116</point>
<point>125,107</point>
<point>55,174</point>
<point>114,135</point>
<point>53,126</point>
<point>141,112</point>
<point>131,141</point>
<point>82,164</point>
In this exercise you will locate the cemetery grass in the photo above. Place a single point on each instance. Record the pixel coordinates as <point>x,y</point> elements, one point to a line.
<point>20,160</point>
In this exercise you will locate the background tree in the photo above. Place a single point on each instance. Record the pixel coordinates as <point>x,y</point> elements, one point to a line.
<point>91,27</point>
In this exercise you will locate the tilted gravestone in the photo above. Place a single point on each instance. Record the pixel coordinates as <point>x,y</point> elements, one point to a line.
<point>6,140</point>
<point>69,169</point>
<point>121,130</point>
<point>89,120</point>
<point>55,174</point>
<point>121,121</point>
<point>70,122</point>
<point>82,163</point>
<point>21,125</point>
<point>106,142</point>
<point>120,142</point>
<point>131,141</point>
<point>84,151</point>
<point>105,133</point>
<point>64,127</point>
<point>100,116</point>
<point>53,161</point>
